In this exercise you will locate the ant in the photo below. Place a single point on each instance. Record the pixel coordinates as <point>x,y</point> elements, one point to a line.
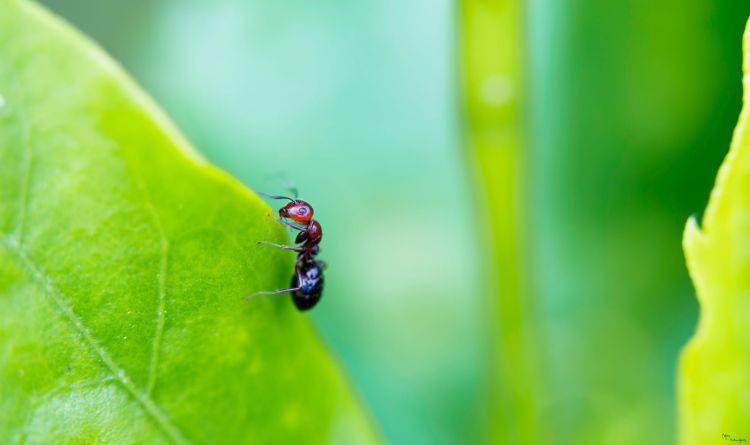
<point>307,281</point>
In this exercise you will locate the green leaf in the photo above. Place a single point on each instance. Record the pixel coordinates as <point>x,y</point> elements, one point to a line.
<point>124,260</point>
<point>714,374</point>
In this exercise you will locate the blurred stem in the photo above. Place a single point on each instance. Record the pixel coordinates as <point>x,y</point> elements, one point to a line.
<point>491,51</point>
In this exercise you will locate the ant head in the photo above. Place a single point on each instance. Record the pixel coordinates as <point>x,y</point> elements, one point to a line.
<point>297,210</point>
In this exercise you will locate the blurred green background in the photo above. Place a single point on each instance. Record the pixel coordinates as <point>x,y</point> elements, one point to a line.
<point>629,109</point>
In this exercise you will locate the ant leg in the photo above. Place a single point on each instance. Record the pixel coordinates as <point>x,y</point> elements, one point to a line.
<point>288,224</point>
<point>294,248</point>
<point>292,225</point>
<point>274,292</point>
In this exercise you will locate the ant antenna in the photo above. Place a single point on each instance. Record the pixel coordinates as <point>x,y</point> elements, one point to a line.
<point>275,196</point>
<point>293,189</point>
<point>273,292</point>
<point>282,178</point>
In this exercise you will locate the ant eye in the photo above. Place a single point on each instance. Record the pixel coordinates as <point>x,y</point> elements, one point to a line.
<point>303,211</point>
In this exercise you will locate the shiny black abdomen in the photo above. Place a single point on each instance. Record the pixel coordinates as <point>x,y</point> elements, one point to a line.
<point>311,287</point>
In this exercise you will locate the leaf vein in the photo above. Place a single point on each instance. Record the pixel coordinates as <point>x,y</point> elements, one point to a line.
<point>23,199</point>
<point>162,284</point>
<point>61,302</point>
<point>160,314</point>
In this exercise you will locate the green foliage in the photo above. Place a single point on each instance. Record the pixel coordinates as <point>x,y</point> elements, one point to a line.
<point>714,379</point>
<point>632,108</point>
<point>124,260</point>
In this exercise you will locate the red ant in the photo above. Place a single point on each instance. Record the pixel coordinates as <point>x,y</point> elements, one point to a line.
<point>307,281</point>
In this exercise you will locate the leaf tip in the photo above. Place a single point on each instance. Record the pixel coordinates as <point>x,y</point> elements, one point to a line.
<point>692,240</point>
<point>692,232</point>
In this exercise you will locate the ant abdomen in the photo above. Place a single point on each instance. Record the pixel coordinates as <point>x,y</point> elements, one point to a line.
<point>308,283</point>
<point>305,301</point>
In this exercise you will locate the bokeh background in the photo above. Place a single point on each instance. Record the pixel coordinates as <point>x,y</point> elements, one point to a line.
<point>627,110</point>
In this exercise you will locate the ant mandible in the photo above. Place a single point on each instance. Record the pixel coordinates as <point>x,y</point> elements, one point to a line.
<point>307,281</point>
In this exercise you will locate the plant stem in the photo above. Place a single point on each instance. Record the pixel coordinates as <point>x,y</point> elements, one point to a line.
<point>491,53</point>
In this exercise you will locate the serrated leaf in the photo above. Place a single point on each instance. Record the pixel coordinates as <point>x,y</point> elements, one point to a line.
<point>714,374</point>
<point>124,260</point>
